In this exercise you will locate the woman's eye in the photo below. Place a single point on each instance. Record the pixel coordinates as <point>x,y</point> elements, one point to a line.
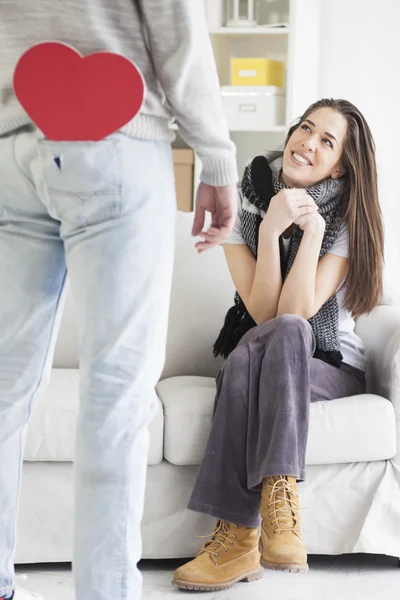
<point>306,128</point>
<point>326,141</point>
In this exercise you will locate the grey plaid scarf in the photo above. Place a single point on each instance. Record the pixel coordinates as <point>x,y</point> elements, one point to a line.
<point>261,182</point>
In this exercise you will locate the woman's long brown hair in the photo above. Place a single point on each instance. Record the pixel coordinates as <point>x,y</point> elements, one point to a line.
<point>362,209</point>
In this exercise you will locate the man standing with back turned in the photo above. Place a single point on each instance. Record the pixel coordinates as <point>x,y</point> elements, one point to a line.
<point>104,211</point>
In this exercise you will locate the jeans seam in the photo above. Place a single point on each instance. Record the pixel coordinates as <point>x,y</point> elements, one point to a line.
<point>124,569</point>
<point>18,166</point>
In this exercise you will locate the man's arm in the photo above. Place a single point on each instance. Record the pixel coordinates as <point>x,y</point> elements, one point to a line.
<point>184,61</point>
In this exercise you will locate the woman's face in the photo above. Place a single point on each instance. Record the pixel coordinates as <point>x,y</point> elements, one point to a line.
<point>314,150</point>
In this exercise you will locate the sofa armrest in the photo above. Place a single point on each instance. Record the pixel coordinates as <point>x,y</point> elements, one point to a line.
<point>380,332</point>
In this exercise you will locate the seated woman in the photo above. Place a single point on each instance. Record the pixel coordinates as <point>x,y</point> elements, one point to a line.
<point>306,258</point>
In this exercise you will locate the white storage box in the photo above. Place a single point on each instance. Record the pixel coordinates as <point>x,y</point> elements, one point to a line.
<point>253,108</point>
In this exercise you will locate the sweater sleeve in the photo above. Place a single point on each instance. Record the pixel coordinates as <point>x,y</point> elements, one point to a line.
<point>184,62</point>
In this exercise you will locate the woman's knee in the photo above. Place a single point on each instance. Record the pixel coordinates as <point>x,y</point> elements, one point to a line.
<point>290,324</point>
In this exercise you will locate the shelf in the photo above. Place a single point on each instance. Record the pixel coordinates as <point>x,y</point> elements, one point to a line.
<point>249,31</point>
<point>276,129</point>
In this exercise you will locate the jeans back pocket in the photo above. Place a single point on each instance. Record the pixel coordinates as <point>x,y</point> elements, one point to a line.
<point>83,180</point>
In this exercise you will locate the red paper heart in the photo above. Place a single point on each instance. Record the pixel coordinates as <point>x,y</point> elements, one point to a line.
<point>73,98</point>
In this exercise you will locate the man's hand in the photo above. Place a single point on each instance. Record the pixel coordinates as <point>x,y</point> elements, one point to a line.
<point>222,203</point>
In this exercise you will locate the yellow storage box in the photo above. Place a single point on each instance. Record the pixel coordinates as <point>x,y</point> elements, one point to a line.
<point>257,71</point>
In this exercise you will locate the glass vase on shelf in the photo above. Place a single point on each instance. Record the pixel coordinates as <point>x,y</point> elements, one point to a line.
<point>240,13</point>
<point>272,13</point>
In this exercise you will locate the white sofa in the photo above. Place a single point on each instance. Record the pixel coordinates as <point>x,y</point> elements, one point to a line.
<point>351,498</point>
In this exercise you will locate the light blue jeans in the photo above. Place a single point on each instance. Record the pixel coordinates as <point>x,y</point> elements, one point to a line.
<point>104,211</point>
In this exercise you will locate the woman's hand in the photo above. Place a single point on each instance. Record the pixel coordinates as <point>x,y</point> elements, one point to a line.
<point>286,208</point>
<point>312,223</point>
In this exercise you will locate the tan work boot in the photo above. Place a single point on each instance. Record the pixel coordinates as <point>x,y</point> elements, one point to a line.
<point>230,556</point>
<point>281,544</point>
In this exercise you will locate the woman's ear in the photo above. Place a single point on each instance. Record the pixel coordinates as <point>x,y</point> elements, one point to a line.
<point>339,172</point>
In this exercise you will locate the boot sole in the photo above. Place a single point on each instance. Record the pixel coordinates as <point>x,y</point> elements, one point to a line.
<point>214,587</point>
<point>288,568</point>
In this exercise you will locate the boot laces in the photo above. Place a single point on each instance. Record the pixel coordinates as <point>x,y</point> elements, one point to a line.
<point>285,512</point>
<point>221,537</point>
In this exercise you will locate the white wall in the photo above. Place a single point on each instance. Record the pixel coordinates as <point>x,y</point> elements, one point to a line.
<point>360,61</point>
<point>303,83</point>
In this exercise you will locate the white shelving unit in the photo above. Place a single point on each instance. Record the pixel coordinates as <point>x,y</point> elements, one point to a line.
<point>249,42</point>
<point>249,31</point>
<point>295,45</point>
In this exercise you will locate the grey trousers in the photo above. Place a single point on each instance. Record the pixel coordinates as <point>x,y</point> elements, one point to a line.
<point>261,418</point>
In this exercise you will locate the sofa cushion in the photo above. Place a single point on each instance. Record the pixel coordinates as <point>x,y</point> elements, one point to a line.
<point>52,426</point>
<point>354,429</point>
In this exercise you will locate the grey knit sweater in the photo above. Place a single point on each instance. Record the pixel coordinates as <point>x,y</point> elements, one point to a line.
<point>183,83</point>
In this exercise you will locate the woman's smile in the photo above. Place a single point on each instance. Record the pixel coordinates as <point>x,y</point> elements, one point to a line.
<point>301,159</point>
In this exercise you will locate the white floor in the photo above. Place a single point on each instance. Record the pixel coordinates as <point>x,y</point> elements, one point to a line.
<point>352,577</point>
